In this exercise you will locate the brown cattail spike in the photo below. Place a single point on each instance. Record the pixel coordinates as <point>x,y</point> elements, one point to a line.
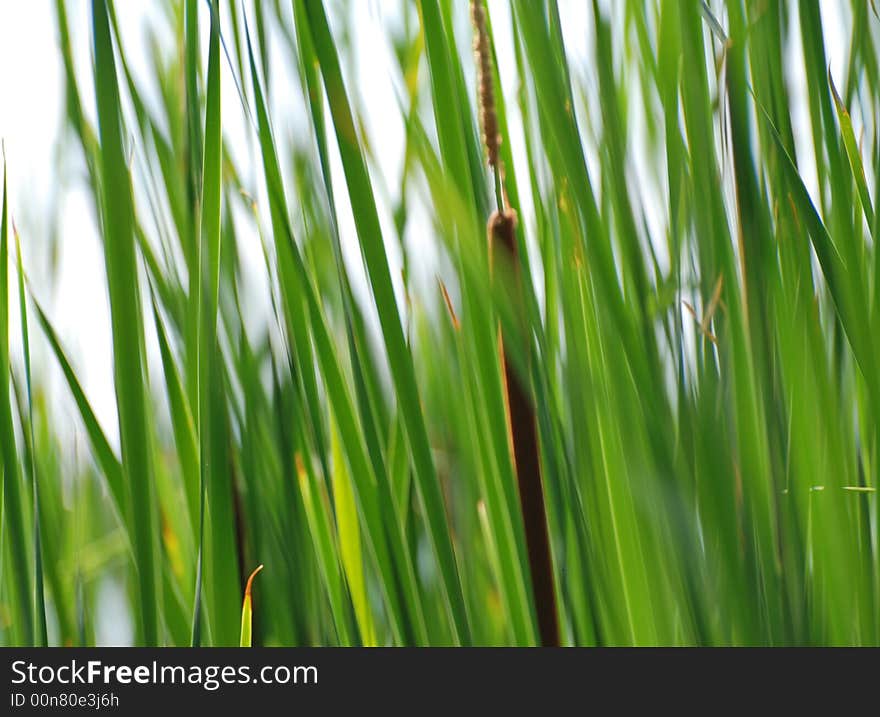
<point>523,433</point>
<point>485,84</point>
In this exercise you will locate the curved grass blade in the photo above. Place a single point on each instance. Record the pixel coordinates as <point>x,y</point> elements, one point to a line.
<point>247,611</point>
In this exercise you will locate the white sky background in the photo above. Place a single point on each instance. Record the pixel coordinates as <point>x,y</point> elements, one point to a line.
<point>45,195</point>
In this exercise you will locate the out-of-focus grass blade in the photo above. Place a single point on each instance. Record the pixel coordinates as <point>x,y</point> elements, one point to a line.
<point>40,634</point>
<point>449,124</point>
<point>830,163</point>
<point>247,611</point>
<point>385,539</point>
<point>400,360</point>
<point>13,503</point>
<point>853,154</point>
<point>317,507</point>
<point>362,371</point>
<point>288,261</point>
<point>194,148</point>
<point>838,276</point>
<point>104,456</point>
<point>73,101</point>
<point>349,533</point>
<point>181,420</point>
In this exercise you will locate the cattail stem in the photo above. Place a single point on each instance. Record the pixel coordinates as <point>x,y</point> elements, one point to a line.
<point>523,434</point>
<point>522,425</point>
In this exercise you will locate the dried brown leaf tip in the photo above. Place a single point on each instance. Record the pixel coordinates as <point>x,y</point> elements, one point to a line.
<point>706,322</point>
<point>456,324</point>
<point>248,590</point>
<point>485,85</point>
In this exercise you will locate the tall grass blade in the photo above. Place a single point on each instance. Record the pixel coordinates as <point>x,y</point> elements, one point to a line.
<point>13,501</point>
<point>127,326</point>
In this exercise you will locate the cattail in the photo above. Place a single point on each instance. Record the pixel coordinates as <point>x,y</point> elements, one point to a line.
<point>523,432</point>
<point>486,88</point>
<point>522,424</point>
